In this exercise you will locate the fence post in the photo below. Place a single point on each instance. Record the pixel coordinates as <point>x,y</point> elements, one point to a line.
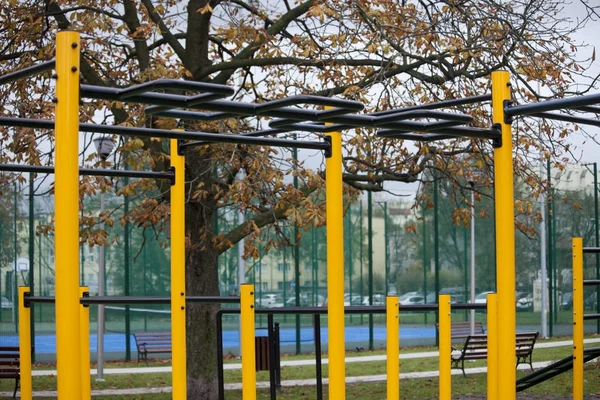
<point>247,341</point>
<point>25,344</point>
<point>492,332</point>
<point>393,348</point>
<point>445,347</point>
<point>577,318</point>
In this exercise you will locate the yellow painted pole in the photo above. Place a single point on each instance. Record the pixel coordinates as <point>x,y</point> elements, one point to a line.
<point>66,211</point>
<point>505,241</point>
<point>578,318</point>
<point>445,347</point>
<point>178,305</point>
<point>86,384</point>
<point>393,348</point>
<point>492,362</point>
<point>25,345</point>
<point>335,268</point>
<point>247,341</point>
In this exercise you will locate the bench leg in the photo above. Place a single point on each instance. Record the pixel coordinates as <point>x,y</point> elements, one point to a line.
<point>16,387</point>
<point>462,366</point>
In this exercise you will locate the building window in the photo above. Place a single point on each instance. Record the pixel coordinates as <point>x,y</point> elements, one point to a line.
<point>280,267</point>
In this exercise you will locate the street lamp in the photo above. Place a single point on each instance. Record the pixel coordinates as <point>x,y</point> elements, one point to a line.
<point>104,146</point>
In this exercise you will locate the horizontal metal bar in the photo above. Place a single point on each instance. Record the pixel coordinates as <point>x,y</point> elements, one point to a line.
<point>591,249</point>
<point>418,137</point>
<point>207,88</point>
<point>27,71</point>
<point>466,131</point>
<point>441,104</point>
<point>171,134</point>
<point>590,109</point>
<point>358,309</point>
<point>553,105</point>
<point>90,172</point>
<point>140,299</point>
<point>567,118</point>
<point>591,282</point>
<point>591,316</point>
<point>263,132</point>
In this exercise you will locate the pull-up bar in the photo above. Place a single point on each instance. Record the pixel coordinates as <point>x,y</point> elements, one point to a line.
<point>551,105</point>
<point>39,169</point>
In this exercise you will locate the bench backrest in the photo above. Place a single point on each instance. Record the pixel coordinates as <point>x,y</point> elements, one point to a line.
<point>475,347</point>
<point>152,340</point>
<point>9,361</point>
<point>525,342</point>
<point>461,330</point>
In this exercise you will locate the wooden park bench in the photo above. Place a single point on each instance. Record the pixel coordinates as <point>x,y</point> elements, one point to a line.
<point>462,330</point>
<point>10,365</point>
<point>148,343</point>
<point>475,348</point>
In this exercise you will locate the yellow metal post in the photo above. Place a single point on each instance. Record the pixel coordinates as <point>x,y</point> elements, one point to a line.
<point>393,348</point>
<point>505,239</point>
<point>578,318</point>
<point>25,345</point>
<point>247,341</point>
<point>492,362</point>
<point>66,211</point>
<point>445,347</point>
<point>178,274</point>
<point>335,268</point>
<point>86,384</point>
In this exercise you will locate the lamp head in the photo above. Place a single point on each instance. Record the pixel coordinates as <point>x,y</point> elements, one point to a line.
<point>104,146</point>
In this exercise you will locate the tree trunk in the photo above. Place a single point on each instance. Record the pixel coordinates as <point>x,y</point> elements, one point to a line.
<point>201,280</point>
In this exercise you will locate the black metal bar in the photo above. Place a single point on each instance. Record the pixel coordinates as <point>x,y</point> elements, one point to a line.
<point>590,109</point>
<point>270,331</point>
<point>91,172</point>
<point>591,282</point>
<point>164,100</point>
<point>263,132</point>
<point>207,88</point>
<point>339,104</point>
<point>27,71</point>
<point>592,250</point>
<point>220,377</point>
<point>442,104</point>
<point>170,134</point>
<point>277,338</point>
<point>591,316</point>
<point>478,133</point>
<point>318,357</point>
<point>359,309</point>
<point>417,137</point>
<point>142,299</point>
<point>567,118</point>
<point>552,105</point>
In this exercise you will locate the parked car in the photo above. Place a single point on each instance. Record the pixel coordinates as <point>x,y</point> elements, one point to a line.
<point>267,300</point>
<point>5,303</point>
<point>378,300</point>
<point>416,299</point>
<point>525,303</point>
<point>354,300</point>
<point>566,301</point>
<point>481,298</point>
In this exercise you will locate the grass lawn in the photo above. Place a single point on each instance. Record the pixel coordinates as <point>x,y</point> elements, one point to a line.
<point>422,388</point>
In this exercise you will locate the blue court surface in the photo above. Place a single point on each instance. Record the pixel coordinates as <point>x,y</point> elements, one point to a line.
<point>115,342</point>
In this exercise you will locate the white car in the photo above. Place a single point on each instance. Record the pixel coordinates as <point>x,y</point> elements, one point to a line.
<point>267,300</point>
<point>416,299</point>
<point>5,303</point>
<point>481,298</point>
<point>378,300</point>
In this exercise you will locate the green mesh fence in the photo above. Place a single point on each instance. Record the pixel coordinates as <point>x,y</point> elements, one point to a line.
<point>411,258</point>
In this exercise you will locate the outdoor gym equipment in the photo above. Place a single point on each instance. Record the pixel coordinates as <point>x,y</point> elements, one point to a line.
<point>399,123</point>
